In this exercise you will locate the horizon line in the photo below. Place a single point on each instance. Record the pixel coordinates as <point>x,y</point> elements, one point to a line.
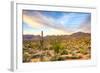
<point>57,34</point>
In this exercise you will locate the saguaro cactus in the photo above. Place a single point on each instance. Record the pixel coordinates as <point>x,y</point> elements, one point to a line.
<point>41,45</point>
<point>41,39</point>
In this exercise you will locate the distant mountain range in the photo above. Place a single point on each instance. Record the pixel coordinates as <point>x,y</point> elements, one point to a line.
<point>74,35</point>
<point>31,37</point>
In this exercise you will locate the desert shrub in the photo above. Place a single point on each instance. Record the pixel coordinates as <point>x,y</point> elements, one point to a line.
<point>55,58</point>
<point>75,57</point>
<point>64,52</point>
<point>26,57</point>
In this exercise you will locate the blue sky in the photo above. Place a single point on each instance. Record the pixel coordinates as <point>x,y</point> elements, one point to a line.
<point>55,23</point>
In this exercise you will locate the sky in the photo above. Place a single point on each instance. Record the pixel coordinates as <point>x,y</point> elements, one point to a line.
<point>55,22</point>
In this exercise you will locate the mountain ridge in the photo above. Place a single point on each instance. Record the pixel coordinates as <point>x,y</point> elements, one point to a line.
<point>73,35</point>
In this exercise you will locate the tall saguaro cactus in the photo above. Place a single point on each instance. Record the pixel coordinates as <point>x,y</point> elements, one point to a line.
<point>41,43</point>
<point>41,39</point>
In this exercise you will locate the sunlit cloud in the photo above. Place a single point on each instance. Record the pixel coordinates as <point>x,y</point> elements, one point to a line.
<point>51,31</point>
<point>31,21</point>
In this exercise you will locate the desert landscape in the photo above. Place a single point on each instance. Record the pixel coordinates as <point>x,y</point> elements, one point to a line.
<point>56,36</point>
<point>57,48</point>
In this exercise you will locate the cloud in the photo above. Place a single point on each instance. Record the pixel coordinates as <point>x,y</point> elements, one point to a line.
<point>38,20</point>
<point>32,22</point>
<point>63,25</point>
<point>86,25</point>
<point>85,28</point>
<point>50,31</point>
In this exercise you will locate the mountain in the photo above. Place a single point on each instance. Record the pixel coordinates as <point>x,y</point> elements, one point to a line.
<point>80,34</point>
<point>31,37</point>
<point>74,35</point>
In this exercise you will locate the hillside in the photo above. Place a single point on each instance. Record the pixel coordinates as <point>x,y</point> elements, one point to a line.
<point>74,35</point>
